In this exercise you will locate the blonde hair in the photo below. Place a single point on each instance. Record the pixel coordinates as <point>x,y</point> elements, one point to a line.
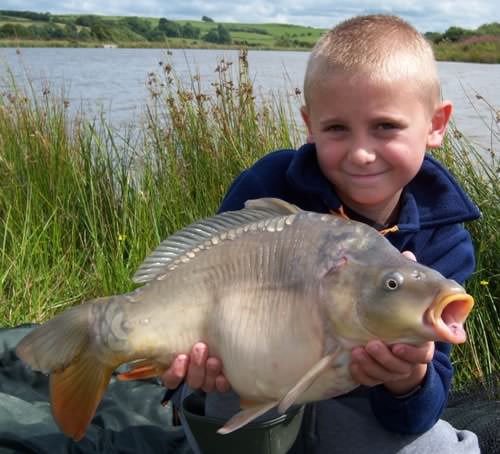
<point>381,47</point>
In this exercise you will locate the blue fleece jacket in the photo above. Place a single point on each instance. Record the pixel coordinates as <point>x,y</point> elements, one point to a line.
<point>433,208</point>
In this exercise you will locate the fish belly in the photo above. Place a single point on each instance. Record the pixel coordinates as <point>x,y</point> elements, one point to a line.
<point>266,338</point>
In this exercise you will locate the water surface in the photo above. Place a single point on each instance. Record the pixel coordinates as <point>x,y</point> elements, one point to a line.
<point>114,81</point>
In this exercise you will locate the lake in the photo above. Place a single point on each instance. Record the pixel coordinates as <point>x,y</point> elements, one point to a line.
<point>114,80</point>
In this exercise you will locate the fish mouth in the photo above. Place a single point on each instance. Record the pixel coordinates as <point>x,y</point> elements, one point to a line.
<point>447,316</point>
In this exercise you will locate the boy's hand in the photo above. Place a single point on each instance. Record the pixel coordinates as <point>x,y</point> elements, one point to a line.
<point>400,367</point>
<point>198,370</point>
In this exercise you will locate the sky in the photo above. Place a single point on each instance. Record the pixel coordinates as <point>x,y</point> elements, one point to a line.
<point>425,15</point>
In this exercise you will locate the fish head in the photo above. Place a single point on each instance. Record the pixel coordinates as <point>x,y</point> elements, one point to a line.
<point>413,303</point>
<point>394,299</point>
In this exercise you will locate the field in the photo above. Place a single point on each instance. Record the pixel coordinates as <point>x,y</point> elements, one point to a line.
<point>19,29</point>
<point>261,36</point>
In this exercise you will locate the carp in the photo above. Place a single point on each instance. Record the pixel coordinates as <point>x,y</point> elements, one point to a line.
<point>281,295</point>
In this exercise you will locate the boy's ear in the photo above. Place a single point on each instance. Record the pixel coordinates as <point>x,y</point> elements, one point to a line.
<point>307,121</point>
<point>439,124</point>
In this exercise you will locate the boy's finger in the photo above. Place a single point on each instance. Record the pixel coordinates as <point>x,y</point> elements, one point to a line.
<point>413,354</point>
<point>174,375</point>
<point>214,367</point>
<point>410,255</point>
<point>359,376</point>
<point>197,366</point>
<point>222,385</point>
<point>387,361</point>
<point>373,372</point>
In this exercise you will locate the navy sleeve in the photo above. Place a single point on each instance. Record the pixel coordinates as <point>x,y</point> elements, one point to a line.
<point>419,411</point>
<point>449,250</point>
<point>245,187</point>
<point>266,178</point>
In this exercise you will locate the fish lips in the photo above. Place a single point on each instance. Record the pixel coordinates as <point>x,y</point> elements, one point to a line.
<point>447,314</point>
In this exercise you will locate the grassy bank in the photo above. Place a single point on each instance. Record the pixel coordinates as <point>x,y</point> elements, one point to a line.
<point>81,205</point>
<point>459,52</point>
<point>174,43</point>
<point>479,174</point>
<point>474,51</point>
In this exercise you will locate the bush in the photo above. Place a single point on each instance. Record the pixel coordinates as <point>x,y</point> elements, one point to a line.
<point>219,35</point>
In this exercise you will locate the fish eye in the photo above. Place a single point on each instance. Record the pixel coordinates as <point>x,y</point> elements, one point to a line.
<point>393,281</point>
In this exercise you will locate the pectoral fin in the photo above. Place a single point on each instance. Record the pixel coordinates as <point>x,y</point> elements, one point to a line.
<point>306,381</point>
<point>142,370</point>
<point>245,416</point>
<point>244,403</point>
<point>249,414</point>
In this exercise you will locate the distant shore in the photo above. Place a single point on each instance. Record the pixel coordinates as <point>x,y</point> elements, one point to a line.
<point>444,52</point>
<point>142,45</point>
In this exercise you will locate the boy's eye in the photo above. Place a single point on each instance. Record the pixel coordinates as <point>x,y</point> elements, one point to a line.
<point>387,126</point>
<point>336,128</point>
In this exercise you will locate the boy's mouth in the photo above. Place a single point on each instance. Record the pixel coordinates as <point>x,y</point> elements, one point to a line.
<point>366,176</point>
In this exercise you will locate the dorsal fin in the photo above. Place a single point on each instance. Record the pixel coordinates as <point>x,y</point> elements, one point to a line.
<point>197,234</point>
<point>276,206</point>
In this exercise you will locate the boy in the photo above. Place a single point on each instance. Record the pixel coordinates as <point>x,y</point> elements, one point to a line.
<point>372,108</point>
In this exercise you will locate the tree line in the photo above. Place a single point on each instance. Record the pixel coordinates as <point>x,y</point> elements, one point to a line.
<point>457,34</point>
<point>97,28</point>
<point>45,26</point>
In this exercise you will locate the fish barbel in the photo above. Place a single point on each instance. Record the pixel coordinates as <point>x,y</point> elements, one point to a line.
<point>281,295</point>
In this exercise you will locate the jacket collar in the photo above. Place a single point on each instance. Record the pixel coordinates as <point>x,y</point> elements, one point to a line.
<point>432,199</point>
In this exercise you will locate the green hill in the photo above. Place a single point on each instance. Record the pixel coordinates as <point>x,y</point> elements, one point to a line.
<point>26,28</point>
<point>125,31</point>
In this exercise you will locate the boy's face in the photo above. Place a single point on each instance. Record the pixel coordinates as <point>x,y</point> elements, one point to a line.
<point>371,139</point>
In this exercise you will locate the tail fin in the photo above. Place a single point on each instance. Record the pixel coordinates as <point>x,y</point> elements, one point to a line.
<point>75,394</point>
<point>61,347</point>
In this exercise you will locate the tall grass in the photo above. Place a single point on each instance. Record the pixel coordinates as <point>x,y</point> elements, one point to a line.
<point>478,170</point>
<point>477,51</point>
<point>81,205</point>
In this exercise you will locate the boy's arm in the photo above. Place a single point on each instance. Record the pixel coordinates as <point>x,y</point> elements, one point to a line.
<point>418,411</point>
<point>449,250</point>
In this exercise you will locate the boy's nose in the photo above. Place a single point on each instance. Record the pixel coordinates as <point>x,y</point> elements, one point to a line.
<point>362,154</point>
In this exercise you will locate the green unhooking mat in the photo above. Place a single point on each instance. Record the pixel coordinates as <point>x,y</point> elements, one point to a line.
<point>130,418</point>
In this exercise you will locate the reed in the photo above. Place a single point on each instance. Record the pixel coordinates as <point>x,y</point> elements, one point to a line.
<point>82,204</point>
<point>478,171</point>
<point>474,50</point>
